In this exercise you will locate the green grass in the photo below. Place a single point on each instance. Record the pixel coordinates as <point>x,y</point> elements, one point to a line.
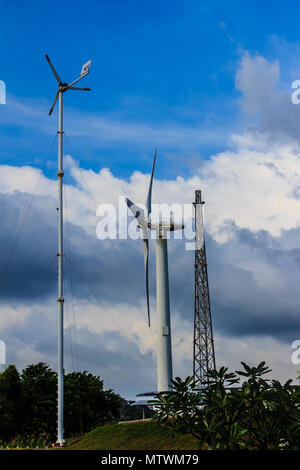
<point>147,435</point>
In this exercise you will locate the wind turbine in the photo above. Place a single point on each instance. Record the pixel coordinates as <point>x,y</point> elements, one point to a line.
<point>62,88</point>
<point>164,346</point>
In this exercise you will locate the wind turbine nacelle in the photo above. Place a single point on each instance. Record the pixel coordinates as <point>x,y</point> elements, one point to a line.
<point>165,225</point>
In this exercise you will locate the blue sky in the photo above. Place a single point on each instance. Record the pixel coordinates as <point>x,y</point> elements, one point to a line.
<point>164,65</point>
<point>209,84</point>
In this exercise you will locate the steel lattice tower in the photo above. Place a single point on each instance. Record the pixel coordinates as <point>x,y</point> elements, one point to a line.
<point>204,353</point>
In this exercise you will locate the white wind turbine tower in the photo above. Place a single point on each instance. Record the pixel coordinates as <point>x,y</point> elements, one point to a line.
<point>62,87</point>
<point>164,347</point>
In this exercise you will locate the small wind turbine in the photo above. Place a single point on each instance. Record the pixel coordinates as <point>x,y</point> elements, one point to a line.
<point>164,347</point>
<point>62,87</point>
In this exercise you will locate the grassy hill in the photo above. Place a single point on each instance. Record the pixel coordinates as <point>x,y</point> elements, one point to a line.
<point>139,435</point>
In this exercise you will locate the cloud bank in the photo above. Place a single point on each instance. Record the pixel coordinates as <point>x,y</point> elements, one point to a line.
<point>252,221</point>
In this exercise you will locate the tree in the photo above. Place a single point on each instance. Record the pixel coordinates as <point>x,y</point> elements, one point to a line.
<point>87,405</point>
<point>10,403</point>
<point>39,385</point>
<point>260,414</point>
<point>28,403</point>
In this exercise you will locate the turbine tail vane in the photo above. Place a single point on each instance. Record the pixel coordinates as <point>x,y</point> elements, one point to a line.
<point>86,68</point>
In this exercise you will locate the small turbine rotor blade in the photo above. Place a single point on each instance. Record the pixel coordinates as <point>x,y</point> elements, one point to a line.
<point>53,104</point>
<point>149,197</point>
<point>78,88</point>
<point>53,70</point>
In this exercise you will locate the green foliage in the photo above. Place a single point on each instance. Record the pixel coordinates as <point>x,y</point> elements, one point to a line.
<point>28,405</point>
<point>39,387</point>
<point>10,402</point>
<point>34,441</point>
<point>260,414</point>
<point>87,405</point>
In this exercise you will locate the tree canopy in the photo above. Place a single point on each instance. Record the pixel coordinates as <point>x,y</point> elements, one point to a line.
<point>28,402</point>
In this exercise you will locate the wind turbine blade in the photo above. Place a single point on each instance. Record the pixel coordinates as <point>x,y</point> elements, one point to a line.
<point>53,70</point>
<point>139,214</point>
<point>148,202</point>
<point>79,88</point>
<point>53,104</point>
<point>146,258</point>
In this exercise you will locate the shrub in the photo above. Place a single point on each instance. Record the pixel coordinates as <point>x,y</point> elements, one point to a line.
<point>260,414</point>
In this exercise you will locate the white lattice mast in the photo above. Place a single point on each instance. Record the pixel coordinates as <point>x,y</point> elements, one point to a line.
<point>203,344</point>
